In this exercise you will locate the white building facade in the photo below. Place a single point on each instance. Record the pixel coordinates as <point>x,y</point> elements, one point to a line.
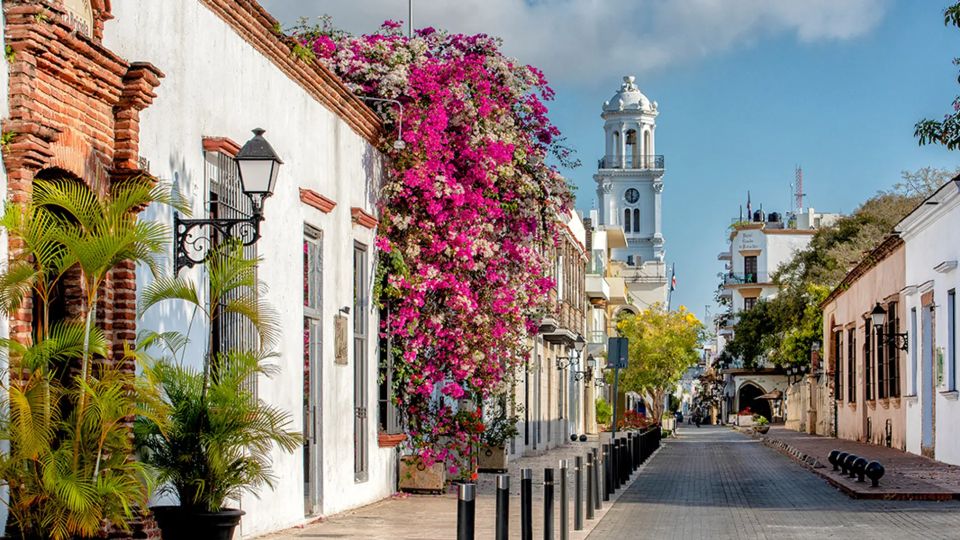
<point>225,73</point>
<point>932,279</point>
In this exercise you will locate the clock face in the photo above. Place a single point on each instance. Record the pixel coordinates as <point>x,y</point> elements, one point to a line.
<point>632,195</point>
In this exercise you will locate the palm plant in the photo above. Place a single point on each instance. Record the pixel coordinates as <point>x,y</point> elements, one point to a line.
<point>220,434</point>
<point>68,467</point>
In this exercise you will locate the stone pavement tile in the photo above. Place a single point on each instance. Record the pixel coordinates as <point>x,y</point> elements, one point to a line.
<point>907,476</point>
<point>408,517</point>
<point>714,483</point>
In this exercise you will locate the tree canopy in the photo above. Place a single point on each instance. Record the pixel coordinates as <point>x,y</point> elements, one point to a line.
<point>946,131</point>
<point>662,345</point>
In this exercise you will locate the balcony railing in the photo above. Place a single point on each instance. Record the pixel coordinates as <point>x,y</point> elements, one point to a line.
<point>739,278</point>
<point>646,162</point>
<point>597,336</point>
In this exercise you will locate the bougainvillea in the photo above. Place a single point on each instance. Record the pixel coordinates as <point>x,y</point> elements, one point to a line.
<point>468,210</point>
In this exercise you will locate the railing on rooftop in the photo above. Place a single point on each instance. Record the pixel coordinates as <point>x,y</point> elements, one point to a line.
<point>644,162</point>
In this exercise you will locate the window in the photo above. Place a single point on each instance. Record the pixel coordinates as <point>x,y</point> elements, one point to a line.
<point>750,269</point>
<point>952,338</point>
<point>913,351</point>
<point>851,366</point>
<point>749,302</point>
<point>230,331</point>
<point>636,220</point>
<point>837,354</point>
<point>880,348</point>
<point>626,220</point>
<point>312,349</point>
<point>867,361</point>
<point>360,450</point>
<point>893,353</point>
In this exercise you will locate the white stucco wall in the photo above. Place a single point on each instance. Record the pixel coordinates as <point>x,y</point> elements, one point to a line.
<point>925,232</point>
<point>216,84</point>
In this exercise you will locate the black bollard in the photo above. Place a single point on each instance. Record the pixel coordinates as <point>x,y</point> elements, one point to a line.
<point>591,465</point>
<point>526,504</point>
<point>466,511</point>
<point>624,461</point>
<point>548,503</point>
<point>615,466</point>
<point>578,491</point>
<point>636,452</point>
<point>503,506</point>
<point>564,522</point>
<point>596,479</point>
<point>607,484</point>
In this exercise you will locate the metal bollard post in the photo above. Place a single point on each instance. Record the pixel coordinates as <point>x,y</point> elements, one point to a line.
<point>630,450</point>
<point>503,506</point>
<point>564,508</point>
<point>591,465</point>
<point>466,511</point>
<point>616,458</point>
<point>548,504</point>
<point>526,504</point>
<point>596,478</point>
<point>578,491</point>
<point>636,452</point>
<point>607,484</point>
<point>624,461</point>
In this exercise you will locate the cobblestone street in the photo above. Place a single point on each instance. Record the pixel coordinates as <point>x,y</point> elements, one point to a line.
<point>715,483</point>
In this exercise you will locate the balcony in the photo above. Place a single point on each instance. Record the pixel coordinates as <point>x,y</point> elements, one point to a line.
<point>724,256</point>
<point>646,162</point>
<point>740,278</point>
<point>597,287</point>
<point>597,336</point>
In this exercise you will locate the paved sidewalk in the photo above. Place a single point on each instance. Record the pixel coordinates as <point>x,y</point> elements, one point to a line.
<point>908,476</point>
<point>408,517</point>
<point>717,484</point>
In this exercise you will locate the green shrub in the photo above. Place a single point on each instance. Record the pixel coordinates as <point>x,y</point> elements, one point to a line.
<point>604,411</point>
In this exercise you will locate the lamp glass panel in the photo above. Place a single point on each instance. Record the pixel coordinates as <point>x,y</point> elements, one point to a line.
<point>256,175</point>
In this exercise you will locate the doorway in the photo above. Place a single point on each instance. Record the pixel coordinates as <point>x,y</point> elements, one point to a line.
<point>748,397</point>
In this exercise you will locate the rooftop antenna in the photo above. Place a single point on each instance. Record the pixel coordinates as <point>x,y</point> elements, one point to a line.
<point>409,19</point>
<point>799,194</point>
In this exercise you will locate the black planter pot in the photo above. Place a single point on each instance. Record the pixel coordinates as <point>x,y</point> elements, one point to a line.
<point>179,523</point>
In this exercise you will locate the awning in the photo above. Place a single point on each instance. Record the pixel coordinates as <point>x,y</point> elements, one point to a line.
<point>776,394</point>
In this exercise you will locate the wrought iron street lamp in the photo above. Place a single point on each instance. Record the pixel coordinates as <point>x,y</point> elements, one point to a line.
<point>879,318</point>
<point>193,239</point>
<point>580,374</point>
<point>795,373</point>
<point>564,361</point>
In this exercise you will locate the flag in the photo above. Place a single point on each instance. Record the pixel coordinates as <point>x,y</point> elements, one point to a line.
<point>673,278</point>
<point>749,212</point>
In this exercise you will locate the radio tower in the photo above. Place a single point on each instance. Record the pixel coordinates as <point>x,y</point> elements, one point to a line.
<point>799,194</point>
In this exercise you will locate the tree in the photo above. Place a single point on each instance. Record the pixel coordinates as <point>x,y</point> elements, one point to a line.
<point>946,131</point>
<point>663,345</point>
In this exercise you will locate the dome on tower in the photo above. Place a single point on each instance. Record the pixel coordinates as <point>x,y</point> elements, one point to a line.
<point>629,98</point>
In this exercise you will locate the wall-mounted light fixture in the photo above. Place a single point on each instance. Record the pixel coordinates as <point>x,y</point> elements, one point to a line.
<point>564,361</point>
<point>193,239</point>
<point>879,318</point>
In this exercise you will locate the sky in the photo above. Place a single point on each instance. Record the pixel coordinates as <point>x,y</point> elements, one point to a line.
<point>747,90</point>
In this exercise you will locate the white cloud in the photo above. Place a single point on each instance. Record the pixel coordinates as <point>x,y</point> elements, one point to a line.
<point>584,42</point>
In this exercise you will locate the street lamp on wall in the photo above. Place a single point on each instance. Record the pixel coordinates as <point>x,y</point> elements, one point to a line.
<point>591,364</point>
<point>564,361</point>
<point>879,318</point>
<point>193,239</point>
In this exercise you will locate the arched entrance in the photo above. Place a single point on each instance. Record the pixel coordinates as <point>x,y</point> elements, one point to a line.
<point>747,397</point>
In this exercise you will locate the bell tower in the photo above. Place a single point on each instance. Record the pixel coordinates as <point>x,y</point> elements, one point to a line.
<point>630,175</point>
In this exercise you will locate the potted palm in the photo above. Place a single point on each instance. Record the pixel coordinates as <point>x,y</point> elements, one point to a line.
<point>219,435</point>
<point>492,452</point>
